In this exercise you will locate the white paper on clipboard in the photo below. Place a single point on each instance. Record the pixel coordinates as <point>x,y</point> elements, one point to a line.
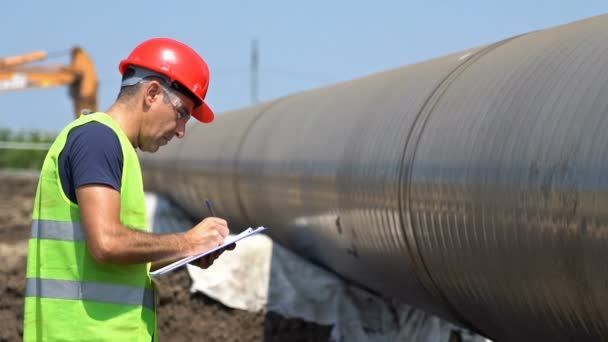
<point>229,240</point>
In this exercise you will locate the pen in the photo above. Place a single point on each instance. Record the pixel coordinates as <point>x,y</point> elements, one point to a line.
<point>210,208</point>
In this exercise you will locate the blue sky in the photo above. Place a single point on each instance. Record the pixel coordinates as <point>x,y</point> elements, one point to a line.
<point>302,45</point>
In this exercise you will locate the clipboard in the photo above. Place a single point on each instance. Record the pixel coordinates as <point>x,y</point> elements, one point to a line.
<point>228,241</point>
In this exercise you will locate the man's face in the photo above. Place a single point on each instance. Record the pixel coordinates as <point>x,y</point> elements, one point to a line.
<point>165,118</point>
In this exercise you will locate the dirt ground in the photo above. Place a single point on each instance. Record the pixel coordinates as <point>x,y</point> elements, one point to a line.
<point>182,316</point>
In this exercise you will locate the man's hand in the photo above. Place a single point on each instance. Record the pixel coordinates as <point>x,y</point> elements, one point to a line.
<point>206,235</point>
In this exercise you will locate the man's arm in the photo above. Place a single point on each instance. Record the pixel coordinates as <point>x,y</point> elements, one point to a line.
<point>109,241</point>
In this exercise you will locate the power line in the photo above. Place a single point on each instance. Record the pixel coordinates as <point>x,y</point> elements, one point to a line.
<point>58,53</point>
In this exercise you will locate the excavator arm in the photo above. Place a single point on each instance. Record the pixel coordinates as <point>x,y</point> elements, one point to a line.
<point>80,76</point>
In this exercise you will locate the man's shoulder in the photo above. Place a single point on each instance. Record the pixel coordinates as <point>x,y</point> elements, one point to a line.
<point>93,130</point>
<point>95,138</point>
<point>92,155</point>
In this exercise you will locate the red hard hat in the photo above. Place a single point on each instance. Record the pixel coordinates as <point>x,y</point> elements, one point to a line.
<point>180,63</point>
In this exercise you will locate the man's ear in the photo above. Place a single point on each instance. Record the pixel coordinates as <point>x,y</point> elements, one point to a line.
<point>152,91</point>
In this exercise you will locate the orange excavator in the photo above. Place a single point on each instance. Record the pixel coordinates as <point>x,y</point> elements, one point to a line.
<point>16,73</point>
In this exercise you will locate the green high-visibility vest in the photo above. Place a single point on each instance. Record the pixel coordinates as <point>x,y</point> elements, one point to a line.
<point>69,296</point>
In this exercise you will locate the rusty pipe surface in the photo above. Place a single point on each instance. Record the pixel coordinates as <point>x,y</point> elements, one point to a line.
<point>473,186</point>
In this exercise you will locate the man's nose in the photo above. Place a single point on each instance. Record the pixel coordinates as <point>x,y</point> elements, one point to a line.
<point>180,130</point>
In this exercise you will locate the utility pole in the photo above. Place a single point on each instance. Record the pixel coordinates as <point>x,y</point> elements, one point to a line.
<point>254,70</point>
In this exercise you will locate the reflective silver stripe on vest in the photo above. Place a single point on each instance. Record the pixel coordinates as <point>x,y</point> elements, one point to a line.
<point>57,230</point>
<point>98,292</point>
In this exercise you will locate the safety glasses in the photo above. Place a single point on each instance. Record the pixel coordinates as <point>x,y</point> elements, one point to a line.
<point>178,105</point>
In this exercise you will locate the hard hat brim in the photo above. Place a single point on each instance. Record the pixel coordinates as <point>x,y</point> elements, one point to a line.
<point>203,113</point>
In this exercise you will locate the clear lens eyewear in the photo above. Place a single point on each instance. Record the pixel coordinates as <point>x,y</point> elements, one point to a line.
<point>178,104</point>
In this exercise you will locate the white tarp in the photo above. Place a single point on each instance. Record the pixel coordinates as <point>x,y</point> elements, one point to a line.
<point>262,275</point>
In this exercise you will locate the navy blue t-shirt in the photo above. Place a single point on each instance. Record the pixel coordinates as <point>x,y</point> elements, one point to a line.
<point>92,155</point>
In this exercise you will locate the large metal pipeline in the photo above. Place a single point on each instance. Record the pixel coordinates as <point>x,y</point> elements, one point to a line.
<point>473,186</point>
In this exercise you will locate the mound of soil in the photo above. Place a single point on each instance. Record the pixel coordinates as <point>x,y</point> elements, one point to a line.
<point>182,316</point>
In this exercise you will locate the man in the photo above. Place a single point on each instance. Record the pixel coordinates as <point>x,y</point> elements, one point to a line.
<point>89,254</point>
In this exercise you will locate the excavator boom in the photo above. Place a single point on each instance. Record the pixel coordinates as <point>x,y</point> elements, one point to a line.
<point>35,77</point>
<point>27,58</point>
<point>80,76</point>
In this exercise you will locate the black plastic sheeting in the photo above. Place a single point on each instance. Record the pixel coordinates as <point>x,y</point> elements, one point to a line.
<point>473,186</point>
